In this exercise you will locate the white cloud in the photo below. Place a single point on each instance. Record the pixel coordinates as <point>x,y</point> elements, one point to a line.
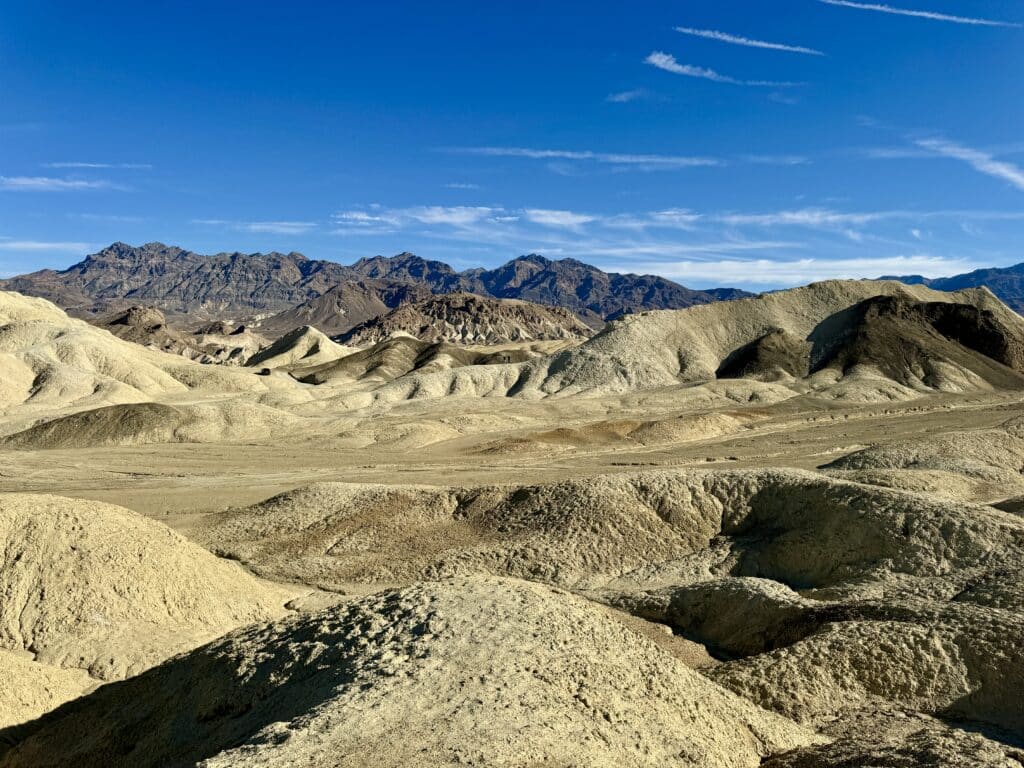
<point>550,218</point>
<point>610,158</point>
<point>121,166</point>
<point>669,218</point>
<point>461,185</point>
<point>920,14</point>
<point>48,184</point>
<point>362,218</point>
<point>724,37</point>
<point>380,220</point>
<point>108,217</point>
<point>279,227</point>
<point>667,62</point>
<point>38,246</point>
<point>624,97</point>
<point>261,227</point>
<point>721,247</point>
<point>456,216</point>
<point>788,272</point>
<point>673,248</point>
<point>981,161</point>
<point>804,217</point>
<point>777,159</point>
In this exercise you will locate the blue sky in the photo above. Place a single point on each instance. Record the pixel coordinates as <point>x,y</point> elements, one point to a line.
<point>717,142</point>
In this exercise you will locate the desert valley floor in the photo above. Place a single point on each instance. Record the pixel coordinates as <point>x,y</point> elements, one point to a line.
<point>780,531</point>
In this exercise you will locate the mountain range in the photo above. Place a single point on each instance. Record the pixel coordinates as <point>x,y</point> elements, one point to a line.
<point>181,282</point>
<point>1007,283</point>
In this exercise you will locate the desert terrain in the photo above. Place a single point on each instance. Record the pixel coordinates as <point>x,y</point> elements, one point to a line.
<point>781,530</point>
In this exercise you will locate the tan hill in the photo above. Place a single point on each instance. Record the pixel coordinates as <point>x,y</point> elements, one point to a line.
<point>661,348</point>
<point>465,318</point>
<point>975,464</point>
<point>603,528</point>
<point>301,348</point>
<point>50,361</point>
<point>212,344</point>
<point>94,587</point>
<point>839,339</point>
<point>142,423</point>
<point>400,355</point>
<point>915,603</point>
<point>487,672</point>
<point>344,306</point>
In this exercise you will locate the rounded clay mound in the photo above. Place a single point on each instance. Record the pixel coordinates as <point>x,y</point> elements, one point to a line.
<point>98,587</point>
<point>484,672</point>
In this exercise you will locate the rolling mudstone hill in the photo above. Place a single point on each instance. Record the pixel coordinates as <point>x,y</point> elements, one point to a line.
<point>853,340</point>
<point>210,344</point>
<point>859,614</point>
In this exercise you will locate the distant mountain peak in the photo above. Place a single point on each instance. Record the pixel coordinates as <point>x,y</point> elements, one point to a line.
<point>1006,283</point>
<point>229,285</point>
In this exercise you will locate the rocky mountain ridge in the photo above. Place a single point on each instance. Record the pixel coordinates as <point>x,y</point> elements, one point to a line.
<point>178,281</point>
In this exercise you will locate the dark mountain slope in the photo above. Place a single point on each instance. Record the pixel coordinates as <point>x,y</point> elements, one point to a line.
<point>346,305</point>
<point>180,282</point>
<point>1007,283</point>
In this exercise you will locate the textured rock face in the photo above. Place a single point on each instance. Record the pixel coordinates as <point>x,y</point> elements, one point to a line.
<point>530,676</point>
<point>96,587</point>
<point>591,293</point>
<point>212,343</point>
<point>344,306</point>
<point>176,280</point>
<point>183,282</point>
<point>465,318</point>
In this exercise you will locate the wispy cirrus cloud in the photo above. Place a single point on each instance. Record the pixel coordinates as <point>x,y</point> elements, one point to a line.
<point>558,219</point>
<point>461,185</point>
<point>455,216</point>
<point>377,219</point>
<point>981,161</point>
<point>783,272</point>
<point>120,166</point>
<point>624,97</point>
<point>725,37</point>
<point>776,159</point>
<point>608,158</point>
<point>261,227</point>
<point>42,246</point>
<point>106,217</point>
<point>50,184</point>
<point>803,217</point>
<point>668,63</point>
<point>826,218</point>
<point>713,247</point>
<point>932,15</point>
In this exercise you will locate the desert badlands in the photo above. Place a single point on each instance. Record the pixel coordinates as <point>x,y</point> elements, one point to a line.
<point>781,530</point>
